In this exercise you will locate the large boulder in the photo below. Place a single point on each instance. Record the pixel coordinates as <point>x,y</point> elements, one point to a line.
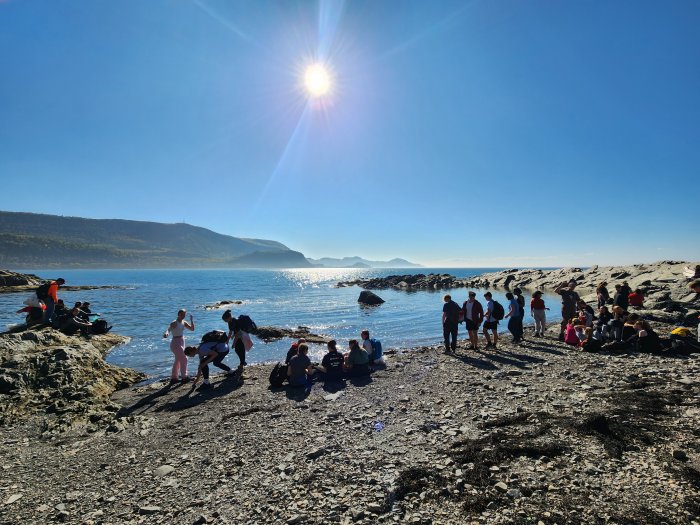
<point>369,298</point>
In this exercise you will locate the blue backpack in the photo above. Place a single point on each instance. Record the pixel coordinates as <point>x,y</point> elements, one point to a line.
<point>376,349</point>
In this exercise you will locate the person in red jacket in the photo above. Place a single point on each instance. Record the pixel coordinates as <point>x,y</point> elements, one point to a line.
<point>636,298</point>
<point>473,316</point>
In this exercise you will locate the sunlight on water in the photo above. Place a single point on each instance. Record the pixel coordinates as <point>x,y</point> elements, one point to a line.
<point>148,300</point>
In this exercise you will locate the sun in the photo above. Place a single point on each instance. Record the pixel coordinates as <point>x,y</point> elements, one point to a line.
<point>317,81</point>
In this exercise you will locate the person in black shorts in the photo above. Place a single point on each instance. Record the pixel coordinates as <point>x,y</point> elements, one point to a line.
<point>234,331</point>
<point>450,323</point>
<point>490,323</point>
<point>473,316</point>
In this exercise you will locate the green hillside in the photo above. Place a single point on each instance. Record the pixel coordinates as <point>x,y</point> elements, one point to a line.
<point>37,240</point>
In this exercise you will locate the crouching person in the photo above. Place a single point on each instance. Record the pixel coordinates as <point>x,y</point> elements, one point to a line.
<point>299,370</point>
<point>213,353</point>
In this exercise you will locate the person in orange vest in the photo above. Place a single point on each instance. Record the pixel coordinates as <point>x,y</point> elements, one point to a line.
<point>48,293</point>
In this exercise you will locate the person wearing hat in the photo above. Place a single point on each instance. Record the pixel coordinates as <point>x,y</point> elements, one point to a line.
<point>569,300</point>
<point>537,309</point>
<point>473,315</point>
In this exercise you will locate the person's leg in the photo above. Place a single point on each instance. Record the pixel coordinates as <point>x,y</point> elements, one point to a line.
<point>519,325</point>
<point>454,329</point>
<point>205,372</point>
<point>512,329</point>
<point>446,335</point>
<point>175,349</point>
<point>217,362</point>
<point>495,336</point>
<point>239,348</point>
<point>486,335</point>
<point>50,307</point>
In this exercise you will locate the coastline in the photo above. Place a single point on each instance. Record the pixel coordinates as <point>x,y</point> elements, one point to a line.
<point>532,433</point>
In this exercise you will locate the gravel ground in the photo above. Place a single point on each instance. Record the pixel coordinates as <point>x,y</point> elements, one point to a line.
<point>536,433</point>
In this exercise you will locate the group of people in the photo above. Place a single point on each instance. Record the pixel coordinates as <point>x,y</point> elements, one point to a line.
<point>614,327</point>
<point>335,366</point>
<point>44,307</point>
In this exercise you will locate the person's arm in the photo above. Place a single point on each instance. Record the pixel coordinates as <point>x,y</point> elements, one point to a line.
<point>510,311</point>
<point>210,357</point>
<point>167,332</point>
<point>444,317</point>
<point>190,325</point>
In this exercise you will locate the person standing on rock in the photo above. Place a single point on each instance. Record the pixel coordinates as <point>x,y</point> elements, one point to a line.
<point>473,316</point>
<point>537,310</point>
<point>450,323</point>
<point>621,298</point>
<point>177,345</point>
<point>48,293</point>
<point>602,294</point>
<point>490,322</point>
<point>512,316</point>
<point>519,320</point>
<point>569,300</point>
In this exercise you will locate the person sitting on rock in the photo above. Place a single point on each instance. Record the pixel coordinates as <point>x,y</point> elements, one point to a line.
<point>616,324</point>
<point>367,345</point>
<point>356,360</point>
<point>621,299</point>
<point>293,350</point>
<point>211,352</point>
<point>636,298</point>
<point>628,330</point>
<point>300,370</point>
<point>647,340</point>
<point>74,323</point>
<point>590,343</point>
<point>601,326</point>
<point>331,367</point>
<point>585,313</point>
<point>571,336</point>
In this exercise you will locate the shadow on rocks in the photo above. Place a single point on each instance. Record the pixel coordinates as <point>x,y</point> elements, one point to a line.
<point>194,397</point>
<point>148,401</point>
<point>474,361</point>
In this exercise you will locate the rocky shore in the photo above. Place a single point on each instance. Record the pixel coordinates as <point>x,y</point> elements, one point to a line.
<point>64,379</point>
<point>12,282</point>
<point>665,285</point>
<point>536,433</point>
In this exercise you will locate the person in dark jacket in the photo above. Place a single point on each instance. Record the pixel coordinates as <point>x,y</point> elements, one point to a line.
<point>450,323</point>
<point>621,298</point>
<point>473,314</point>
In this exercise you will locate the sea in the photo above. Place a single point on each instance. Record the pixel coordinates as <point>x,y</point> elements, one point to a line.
<point>143,302</point>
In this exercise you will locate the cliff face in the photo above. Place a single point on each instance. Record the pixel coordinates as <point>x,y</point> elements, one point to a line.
<point>66,377</point>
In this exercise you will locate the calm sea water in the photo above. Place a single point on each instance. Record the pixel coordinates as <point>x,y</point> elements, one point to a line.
<point>283,298</point>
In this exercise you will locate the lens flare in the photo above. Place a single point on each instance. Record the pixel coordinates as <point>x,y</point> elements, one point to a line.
<point>317,81</point>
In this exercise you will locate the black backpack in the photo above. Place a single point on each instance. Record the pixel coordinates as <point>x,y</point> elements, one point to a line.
<point>100,327</point>
<point>278,375</point>
<point>43,291</point>
<point>246,324</point>
<point>215,336</point>
<point>498,313</point>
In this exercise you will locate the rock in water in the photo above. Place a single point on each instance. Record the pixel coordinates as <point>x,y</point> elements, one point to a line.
<point>371,298</point>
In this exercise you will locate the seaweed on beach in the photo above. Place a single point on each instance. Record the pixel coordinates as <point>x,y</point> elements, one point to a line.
<point>416,480</point>
<point>505,421</point>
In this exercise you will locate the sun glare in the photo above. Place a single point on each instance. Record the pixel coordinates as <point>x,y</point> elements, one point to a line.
<point>317,81</point>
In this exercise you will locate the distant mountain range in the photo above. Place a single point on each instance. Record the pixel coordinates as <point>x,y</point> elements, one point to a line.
<point>32,240</point>
<point>359,262</point>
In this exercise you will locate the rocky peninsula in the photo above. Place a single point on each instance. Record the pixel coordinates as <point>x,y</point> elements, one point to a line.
<point>536,433</point>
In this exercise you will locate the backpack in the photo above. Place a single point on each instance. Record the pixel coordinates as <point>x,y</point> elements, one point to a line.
<point>278,375</point>
<point>100,327</point>
<point>215,336</point>
<point>43,291</point>
<point>246,324</point>
<point>376,349</point>
<point>498,313</point>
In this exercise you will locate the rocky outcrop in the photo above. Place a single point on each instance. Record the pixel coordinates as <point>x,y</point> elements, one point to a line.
<point>420,281</point>
<point>11,279</point>
<point>64,377</point>
<point>272,333</point>
<point>369,298</point>
<point>226,303</point>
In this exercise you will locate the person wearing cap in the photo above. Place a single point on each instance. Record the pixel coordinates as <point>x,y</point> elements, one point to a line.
<point>450,323</point>
<point>473,316</point>
<point>490,323</point>
<point>537,310</point>
<point>569,300</point>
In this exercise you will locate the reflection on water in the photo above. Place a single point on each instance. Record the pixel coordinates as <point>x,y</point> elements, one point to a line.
<point>284,298</point>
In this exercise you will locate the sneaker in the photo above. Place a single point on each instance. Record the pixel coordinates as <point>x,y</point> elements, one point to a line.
<point>174,381</point>
<point>488,345</point>
<point>231,373</point>
<point>185,380</point>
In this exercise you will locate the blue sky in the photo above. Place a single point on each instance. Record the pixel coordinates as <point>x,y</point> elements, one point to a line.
<point>483,133</point>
